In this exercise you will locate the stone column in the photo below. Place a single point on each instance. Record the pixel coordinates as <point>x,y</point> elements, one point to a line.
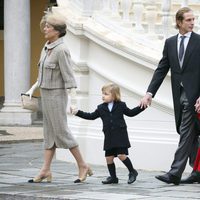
<point>16,61</point>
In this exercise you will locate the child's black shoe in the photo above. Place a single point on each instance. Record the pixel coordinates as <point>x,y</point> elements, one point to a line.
<point>132,177</point>
<point>110,180</point>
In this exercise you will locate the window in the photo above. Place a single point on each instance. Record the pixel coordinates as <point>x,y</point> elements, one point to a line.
<point>1,14</point>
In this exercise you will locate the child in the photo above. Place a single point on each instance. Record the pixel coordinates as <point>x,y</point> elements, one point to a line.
<point>116,141</point>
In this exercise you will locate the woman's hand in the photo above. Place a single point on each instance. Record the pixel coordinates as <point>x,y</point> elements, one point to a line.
<point>32,89</point>
<point>73,103</point>
<point>73,110</point>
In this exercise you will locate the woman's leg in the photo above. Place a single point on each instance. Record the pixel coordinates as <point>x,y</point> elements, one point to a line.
<point>84,169</point>
<point>48,156</point>
<point>45,172</point>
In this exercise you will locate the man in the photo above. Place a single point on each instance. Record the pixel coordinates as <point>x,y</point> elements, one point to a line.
<point>181,55</point>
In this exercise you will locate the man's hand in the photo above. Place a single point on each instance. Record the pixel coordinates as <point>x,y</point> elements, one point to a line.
<point>146,101</point>
<point>197,105</point>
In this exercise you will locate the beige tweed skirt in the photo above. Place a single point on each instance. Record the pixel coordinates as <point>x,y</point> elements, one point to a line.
<point>55,128</point>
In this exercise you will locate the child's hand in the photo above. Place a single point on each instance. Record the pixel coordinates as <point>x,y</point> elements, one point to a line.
<point>73,109</point>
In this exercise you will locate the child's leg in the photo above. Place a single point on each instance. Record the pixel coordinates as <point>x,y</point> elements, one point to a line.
<point>127,162</point>
<point>111,166</point>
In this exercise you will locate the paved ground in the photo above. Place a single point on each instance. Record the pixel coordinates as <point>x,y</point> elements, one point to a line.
<point>21,161</point>
<point>12,134</point>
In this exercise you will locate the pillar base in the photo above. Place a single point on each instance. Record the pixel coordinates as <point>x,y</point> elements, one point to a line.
<point>15,115</point>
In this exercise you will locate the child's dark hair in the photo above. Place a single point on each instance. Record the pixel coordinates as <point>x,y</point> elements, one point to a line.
<point>114,89</point>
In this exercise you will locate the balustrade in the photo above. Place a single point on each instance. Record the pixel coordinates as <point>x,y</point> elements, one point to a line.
<point>151,17</point>
<point>138,9</point>
<point>106,5</point>
<point>184,3</point>
<point>166,18</point>
<point>126,5</point>
<point>115,8</point>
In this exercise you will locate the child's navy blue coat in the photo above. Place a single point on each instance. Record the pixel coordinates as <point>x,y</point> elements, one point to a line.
<point>114,125</point>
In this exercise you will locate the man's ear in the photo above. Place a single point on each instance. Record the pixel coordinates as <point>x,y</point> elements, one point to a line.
<point>178,22</point>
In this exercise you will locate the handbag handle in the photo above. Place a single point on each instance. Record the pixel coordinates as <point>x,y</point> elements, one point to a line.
<point>27,95</point>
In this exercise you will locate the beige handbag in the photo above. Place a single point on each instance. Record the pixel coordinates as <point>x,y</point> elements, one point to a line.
<point>30,104</point>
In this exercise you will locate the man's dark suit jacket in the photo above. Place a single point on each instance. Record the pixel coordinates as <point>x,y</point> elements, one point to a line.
<point>114,125</point>
<point>188,75</point>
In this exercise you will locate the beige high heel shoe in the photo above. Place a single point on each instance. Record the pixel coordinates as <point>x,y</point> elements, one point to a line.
<point>81,179</point>
<point>40,179</point>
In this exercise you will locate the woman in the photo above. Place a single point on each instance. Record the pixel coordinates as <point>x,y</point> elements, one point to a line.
<point>54,78</point>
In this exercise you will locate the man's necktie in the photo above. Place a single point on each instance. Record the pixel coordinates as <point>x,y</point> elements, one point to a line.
<point>181,48</point>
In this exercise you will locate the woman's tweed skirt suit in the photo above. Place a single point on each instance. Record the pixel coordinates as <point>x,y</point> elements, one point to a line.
<point>54,77</point>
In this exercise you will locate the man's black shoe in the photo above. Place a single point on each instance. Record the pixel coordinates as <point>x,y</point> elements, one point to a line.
<point>169,178</point>
<point>110,180</point>
<point>194,177</point>
<point>132,177</point>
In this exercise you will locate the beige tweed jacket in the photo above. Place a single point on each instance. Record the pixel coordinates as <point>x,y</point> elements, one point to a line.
<point>55,66</point>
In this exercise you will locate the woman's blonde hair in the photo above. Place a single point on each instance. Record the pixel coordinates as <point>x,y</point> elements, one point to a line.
<point>113,89</point>
<point>55,20</point>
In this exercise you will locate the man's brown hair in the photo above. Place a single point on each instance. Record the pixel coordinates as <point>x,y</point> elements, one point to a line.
<point>180,13</point>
